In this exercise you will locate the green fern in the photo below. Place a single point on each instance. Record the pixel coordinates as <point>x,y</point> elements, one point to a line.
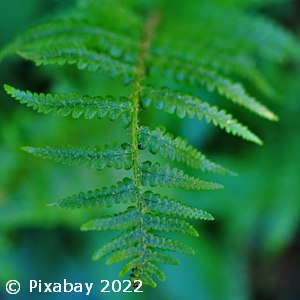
<point>192,106</point>
<point>158,140</point>
<point>130,48</point>
<point>123,192</point>
<point>115,155</point>
<point>75,105</point>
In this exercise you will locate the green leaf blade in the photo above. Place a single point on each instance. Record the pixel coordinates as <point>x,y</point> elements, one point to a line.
<point>74,105</point>
<point>75,32</point>
<point>164,205</point>
<point>124,254</point>
<point>160,242</point>
<point>187,105</point>
<point>235,92</point>
<point>160,141</point>
<point>116,222</point>
<point>154,175</point>
<point>124,240</point>
<point>165,223</point>
<point>114,155</point>
<point>123,192</point>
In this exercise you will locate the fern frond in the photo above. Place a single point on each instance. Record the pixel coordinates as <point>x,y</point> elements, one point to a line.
<point>188,72</point>
<point>148,280</point>
<point>160,141</point>
<point>133,237</point>
<point>116,222</point>
<point>74,105</point>
<point>124,254</point>
<point>127,44</point>
<point>114,155</point>
<point>165,223</point>
<point>74,32</point>
<point>130,266</point>
<point>240,32</point>
<point>157,203</point>
<point>161,242</point>
<point>213,58</point>
<point>135,265</point>
<point>79,55</point>
<point>154,174</point>
<point>260,35</point>
<point>159,257</point>
<point>123,192</point>
<point>154,270</point>
<point>188,105</point>
<point>128,238</point>
<point>145,271</point>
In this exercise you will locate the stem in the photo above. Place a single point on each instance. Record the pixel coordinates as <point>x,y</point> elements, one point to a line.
<point>140,71</point>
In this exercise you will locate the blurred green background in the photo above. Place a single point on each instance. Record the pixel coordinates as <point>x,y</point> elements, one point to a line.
<point>251,250</point>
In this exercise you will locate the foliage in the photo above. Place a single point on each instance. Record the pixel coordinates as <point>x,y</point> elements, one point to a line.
<point>149,51</point>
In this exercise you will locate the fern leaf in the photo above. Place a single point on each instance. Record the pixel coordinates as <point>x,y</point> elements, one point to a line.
<point>130,266</point>
<point>162,223</point>
<point>81,28</point>
<point>149,255</point>
<point>116,222</point>
<point>164,243</point>
<point>154,174</point>
<point>75,105</point>
<point>154,270</point>
<point>125,239</point>
<point>114,155</point>
<point>148,280</point>
<point>124,254</point>
<point>159,257</point>
<point>127,44</point>
<point>83,57</point>
<point>123,192</point>
<point>190,73</point>
<point>158,140</point>
<point>187,105</point>
<point>131,238</point>
<point>157,203</point>
<point>74,32</point>
<point>221,61</point>
<point>136,264</point>
<point>241,32</point>
<point>260,35</point>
